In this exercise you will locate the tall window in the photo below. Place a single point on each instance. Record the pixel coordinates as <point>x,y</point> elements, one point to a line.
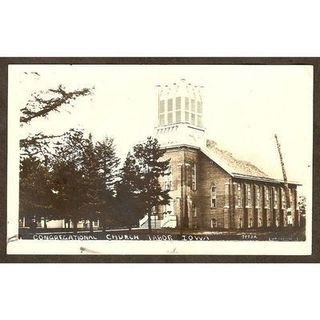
<point>199,113</point>
<point>290,198</point>
<point>248,196</point>
<point>178,109</point>
<point>170,111</point>
<point>194,177</point>
<point>187,110</point>
<point>283,199</point>
<point>275,198</point>
<point>193,112</point>
<point>266,197</point>
<point>161,113</point>
<point>213,196</point>
<point>257,189</point>
<point>226,195</point>
<point>239,197</point>
<point>194,210</point>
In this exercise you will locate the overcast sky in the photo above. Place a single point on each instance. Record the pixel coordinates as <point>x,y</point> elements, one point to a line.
<point>243,107</point>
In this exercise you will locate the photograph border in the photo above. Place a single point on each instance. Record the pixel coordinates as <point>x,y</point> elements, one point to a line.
<point>4,257</point>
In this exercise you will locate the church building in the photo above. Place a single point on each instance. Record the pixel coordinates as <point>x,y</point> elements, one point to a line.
<point>209,187</point>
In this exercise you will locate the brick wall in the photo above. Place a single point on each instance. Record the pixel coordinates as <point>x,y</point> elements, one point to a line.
<point>192,202</point>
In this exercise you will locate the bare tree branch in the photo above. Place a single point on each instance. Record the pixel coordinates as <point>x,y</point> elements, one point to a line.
<point>42,105</point>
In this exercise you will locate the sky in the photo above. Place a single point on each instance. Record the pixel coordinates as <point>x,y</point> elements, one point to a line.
<point>243,107</point>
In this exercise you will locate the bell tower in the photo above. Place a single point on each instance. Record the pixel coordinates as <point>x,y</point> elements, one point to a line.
<point>180,112</point>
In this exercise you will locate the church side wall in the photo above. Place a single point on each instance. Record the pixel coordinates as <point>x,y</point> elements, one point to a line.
<point>211,175</point>
<point>193,175</point>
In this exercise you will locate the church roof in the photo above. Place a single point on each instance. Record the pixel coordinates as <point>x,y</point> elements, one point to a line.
<point>233,164</point>
<point>236,168</point>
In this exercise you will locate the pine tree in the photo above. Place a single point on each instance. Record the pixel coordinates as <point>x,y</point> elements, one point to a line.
<point>130,208</point>
<point>108,163</point>
<point>35,191</point>
<point>140,178</point>
<point>68,174</point>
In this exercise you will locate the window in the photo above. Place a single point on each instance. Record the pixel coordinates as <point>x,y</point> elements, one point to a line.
<point>275,198</point>
<point>283,199</point>
<point>239,197</point>
<point>226,195</point>
<point>161,119</point>
<point>194,210</point>
<point>213,196</point>
<point>161,107</point>
<point>170,117</point>
<point>187,114</point>
<point>290,198</point>
<point>187,103</point>
<point>193,106</point>
<point>161,113</point>
<point>170,111</point>
<point>199,114</point>
<point>194,177</point>
<point>213,223</point>
<point>193,110</point>
<point>193,118</point>
<point>178,109</point>
<point>248,196</point>
<point>178,103</point>
<point>257,189</point>
<point>266,198</point>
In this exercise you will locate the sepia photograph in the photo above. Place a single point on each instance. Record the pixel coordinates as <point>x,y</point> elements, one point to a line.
<point>160,159</point>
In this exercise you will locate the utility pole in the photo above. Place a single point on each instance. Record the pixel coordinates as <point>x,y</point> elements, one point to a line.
<point>285,180</point>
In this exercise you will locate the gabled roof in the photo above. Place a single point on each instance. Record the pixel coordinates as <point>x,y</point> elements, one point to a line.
<point>237,168</point>
<point>234,167</point>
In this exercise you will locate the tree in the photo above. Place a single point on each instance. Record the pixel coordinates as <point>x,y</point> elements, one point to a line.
<point>68,181</point>
<point>108,163</point>
<point>140,178</point>
<point>83,178</point>
<point>129,206</point>
<point>36,150</point>
<point>41,105</point>
<point>35,191</point>
<point>44,103</point>
<point>99,171</point>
